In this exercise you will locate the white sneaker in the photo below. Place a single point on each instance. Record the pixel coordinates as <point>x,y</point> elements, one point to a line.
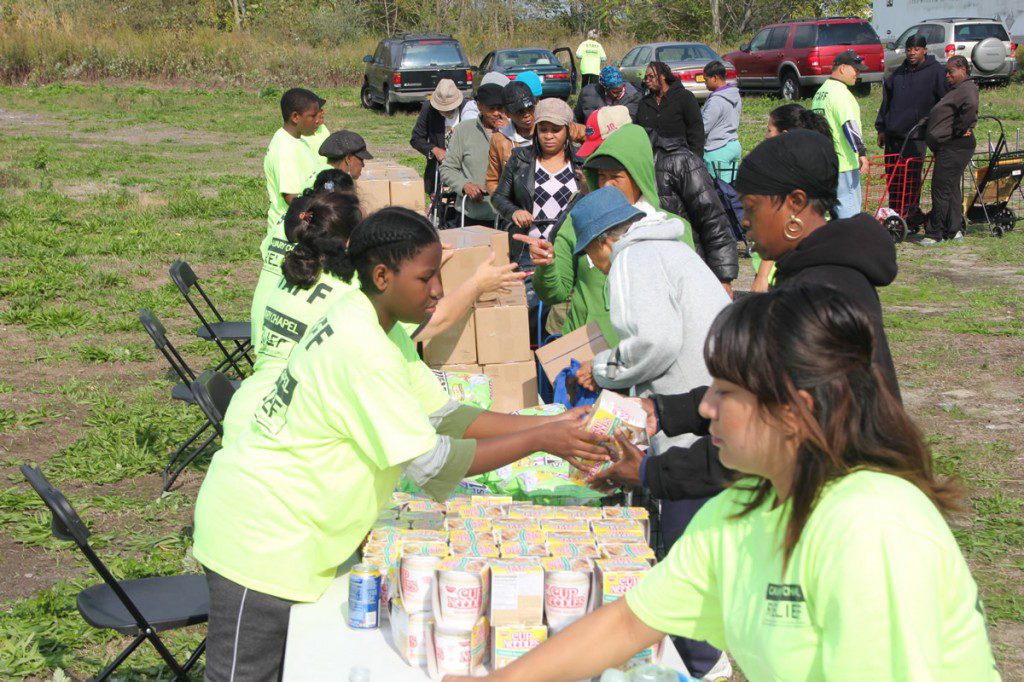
<point>721,672</point>
<point>928,241</point>
<point>958,237</point>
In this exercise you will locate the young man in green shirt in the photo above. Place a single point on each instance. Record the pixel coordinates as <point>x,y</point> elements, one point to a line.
<point>837,104</point>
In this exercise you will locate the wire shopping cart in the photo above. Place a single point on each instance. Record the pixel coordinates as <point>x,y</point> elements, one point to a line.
<point>994,185</point>
<point>893,191</point>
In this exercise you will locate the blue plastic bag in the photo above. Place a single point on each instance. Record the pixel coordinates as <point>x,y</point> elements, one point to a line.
<point>583,396</point>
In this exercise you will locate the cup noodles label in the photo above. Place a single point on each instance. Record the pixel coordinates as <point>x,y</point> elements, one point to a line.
<point>457,652</point>
<point>625,513</point>
<point>422,505</point>
<point>462,563</point>
<point>574,525</point>
<point>612,412</point>
<point>475,547</point>
<point>515,548</point>
<point>567,564</point>
<point>517,594</point>
<point>522,535</point>
<point>491,499</point>
<point>530,511</point>
<point>620,535</point>
<point>637,550</point>
<point>571,537</point>
<point>399,499</point>
<point>612,525</point>
<point>424,535</point>
<point>416,577</point>
<point>577,512</point>
<point>517,524</point>
<point>485,511</point>
<point>438,549</point>
<point>411,633</point>
<point>573,549</point>
<point>510,642</point>
<point>618,576</point>
<point>473,523</point>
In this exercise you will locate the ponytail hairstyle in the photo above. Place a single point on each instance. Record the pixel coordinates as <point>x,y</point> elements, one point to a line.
<point>323,228</point>
<point>333,180</point>
<point>795,117</point>
<point>816,339</point>
<point>388,237</point>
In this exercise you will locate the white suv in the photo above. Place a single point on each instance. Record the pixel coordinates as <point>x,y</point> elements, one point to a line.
<point>984,42</point>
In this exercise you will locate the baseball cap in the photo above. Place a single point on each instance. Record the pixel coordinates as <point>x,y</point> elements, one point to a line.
<point>517,96</point>
<point>553,110</point>
<point>611,77</point>
<point>533,80</point>
<point>601,124</point>
<point>490,94</point>
<point>850,58</point>
<point>342,143</point>
<point>598,212</point>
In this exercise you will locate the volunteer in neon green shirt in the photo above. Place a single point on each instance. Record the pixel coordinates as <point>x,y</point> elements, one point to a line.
<point>837,104</point>
<point>292,498</point>
<point>309,284</point>
<point>592,58</point>
<point>832,559</point>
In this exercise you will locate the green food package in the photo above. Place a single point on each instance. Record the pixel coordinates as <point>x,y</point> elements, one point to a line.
<point>465,388</point>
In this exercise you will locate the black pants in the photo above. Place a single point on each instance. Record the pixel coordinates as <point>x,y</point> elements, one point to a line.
<point>589,78</point>
<point>947,193</point>
<point>247,633</point>
<point>905,176</point>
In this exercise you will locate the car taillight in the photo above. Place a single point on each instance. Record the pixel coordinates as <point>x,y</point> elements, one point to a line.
<point>557,76</point>
<point>686,75</point>
<point>511,76</point>
<point>814,58</point>
<point>730,73</point>
<point>469,76</point>
<point>397,80</point>
<point>950,50</point>
<point>1013,50</point>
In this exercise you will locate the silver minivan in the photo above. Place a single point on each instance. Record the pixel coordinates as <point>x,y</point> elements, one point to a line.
<point>984,42</point>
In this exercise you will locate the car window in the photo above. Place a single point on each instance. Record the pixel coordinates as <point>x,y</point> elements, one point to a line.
<point>527,58</point>
<point>644,57</point>
<point>934,34</point>
<point>378,56</point>
<point>778,38</point>
<point>805,35</point>
<point>431,53</point>
<point>685,52</point>
<point>485,65</point>
<point>901,42</point>
<point>848,33</point>
<point>760,40</point>
<point>966,32</point>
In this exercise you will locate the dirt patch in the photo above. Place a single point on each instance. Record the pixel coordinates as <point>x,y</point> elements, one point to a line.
<point>27,570</point>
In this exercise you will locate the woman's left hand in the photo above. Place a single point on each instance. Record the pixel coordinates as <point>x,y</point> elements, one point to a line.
<point>585,376</point>
<point>623,473</point>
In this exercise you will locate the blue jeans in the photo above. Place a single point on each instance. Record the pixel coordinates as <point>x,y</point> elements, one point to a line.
<point>848,193</point>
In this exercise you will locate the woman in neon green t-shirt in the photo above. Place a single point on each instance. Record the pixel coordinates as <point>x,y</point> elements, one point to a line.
<point>832,559</point>
<point>294,495</point>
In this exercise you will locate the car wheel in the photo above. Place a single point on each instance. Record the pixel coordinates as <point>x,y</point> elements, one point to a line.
<point>789,88</point>
<point>390,106</point>
<point>364,96</point>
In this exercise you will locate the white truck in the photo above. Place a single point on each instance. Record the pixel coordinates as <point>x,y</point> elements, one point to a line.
<point>891,17</point>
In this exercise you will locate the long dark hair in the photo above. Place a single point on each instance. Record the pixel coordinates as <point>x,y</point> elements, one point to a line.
<point>387,237</point>
<point>568,150</point>
<point>793,117</point>
<point>324,225</point>
<point>663,69</point>
<point>816,339</point>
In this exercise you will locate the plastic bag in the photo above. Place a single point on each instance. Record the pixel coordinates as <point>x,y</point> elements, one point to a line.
<point>570,393</point>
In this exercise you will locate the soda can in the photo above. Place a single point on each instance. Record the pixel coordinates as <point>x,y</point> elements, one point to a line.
<point>364,597</point>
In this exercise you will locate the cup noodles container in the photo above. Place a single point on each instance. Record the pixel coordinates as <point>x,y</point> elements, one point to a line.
<point>484,511</point>
<point>566,597</point>
<point>613,412</point>
<point>517,593</point>
<point>474,547</point>
<point>423,520</point>
<point>422,505</point>
<point>516,548</point>
<point>573,525</point>
<point>571,536</point>
<point>438,549</point>
<point>531,511</point>
<point>399,499</point>
<point>517,524</point>
<point>457,651</point>
<point>509,642</point>
<point>424,535</point>
<point>461,592</point>
<point>585,549</point>
<point>411,633</point>
<point>633,550</point>
<point>521,535</point>
<point>621,527</point>
<point>638,513</point>
<point>473,523</point>
<point>566,513</point>
<point>614,577</point>
<point>416,575</point>
<point>491,499</point>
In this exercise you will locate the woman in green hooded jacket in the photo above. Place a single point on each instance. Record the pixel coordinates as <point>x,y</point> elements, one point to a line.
<point>625,160</point>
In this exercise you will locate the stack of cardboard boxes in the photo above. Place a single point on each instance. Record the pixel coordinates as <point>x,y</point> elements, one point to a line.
<point>493,338</point>
<point>385,183</point>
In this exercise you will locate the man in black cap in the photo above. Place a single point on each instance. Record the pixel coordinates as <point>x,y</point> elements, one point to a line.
<point>346,151</point>
<point>907,97</point>
<point>465,165</point>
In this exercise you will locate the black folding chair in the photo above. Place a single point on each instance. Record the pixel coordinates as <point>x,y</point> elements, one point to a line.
<point>219,330</point>
<point>140,607</point>
<point>158,333</point>
<point>212,392</point>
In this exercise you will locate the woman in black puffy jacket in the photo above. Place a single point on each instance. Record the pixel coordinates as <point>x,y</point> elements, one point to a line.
<point>687,189</point>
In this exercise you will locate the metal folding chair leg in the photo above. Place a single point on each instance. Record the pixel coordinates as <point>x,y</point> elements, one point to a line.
<point>139,639</point>
<point>169,478</point>
<point>195,656</point>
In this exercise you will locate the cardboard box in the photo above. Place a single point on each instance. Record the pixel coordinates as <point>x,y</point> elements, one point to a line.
<point>517,594</point>
<point>614,577</point>
<point>581,344</point>
<point>374,193</point>
<point>473,245</point>
<point>510,642</point>
<point>513,385</point>
<point>455,345</point>
<point>502,333</point>
<point>407,193</point>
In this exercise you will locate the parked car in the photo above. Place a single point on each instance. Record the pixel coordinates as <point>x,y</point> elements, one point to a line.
<point>405,69</point>
<point>793,58</point>
<point>984,42</point>
<point>558,76</point>
<point>686,60</point>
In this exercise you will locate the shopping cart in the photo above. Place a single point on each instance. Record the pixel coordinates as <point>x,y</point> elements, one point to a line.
<point>994,185</point>
<point>893,191</point>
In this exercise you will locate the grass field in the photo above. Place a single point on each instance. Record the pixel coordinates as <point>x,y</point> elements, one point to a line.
<point>101,188</point>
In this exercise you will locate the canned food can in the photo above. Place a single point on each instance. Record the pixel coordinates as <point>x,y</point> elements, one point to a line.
<point>364,597</point>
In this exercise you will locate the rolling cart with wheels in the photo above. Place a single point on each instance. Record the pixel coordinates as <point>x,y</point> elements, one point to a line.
<point>994,185</point>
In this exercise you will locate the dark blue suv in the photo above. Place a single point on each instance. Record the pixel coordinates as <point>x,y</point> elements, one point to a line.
<point>405,69</point>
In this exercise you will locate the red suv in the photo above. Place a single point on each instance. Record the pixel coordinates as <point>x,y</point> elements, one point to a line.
<point>793,57</point>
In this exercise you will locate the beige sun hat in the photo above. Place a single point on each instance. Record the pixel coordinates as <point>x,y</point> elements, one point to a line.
<point>446,96</point>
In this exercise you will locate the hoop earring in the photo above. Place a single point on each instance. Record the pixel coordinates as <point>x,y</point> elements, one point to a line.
<point>790,233</point>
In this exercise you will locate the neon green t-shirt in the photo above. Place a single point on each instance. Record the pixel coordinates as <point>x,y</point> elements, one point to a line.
<point>876,588</point>
<point>293,497</point>
<point>837,104</point>
<point>591,54</point>
<point>287,315</point>
<point>287,166</point>
<point>316,139</point>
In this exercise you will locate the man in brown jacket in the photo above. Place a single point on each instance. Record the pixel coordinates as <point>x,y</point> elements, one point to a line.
<point>519,104</point>
<point>950,136</point>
